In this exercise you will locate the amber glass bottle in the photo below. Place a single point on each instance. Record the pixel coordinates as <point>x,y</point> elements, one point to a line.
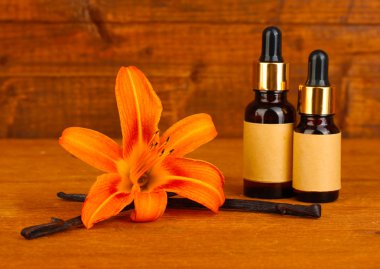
<point>316,138</point>
<point>268,126</point>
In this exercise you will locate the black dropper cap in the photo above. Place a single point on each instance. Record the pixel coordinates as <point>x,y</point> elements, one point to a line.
<point>318,75</point>
<point>271,47</point>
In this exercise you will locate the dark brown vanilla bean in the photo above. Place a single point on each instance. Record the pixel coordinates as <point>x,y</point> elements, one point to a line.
<point>57,225</point>
<point>75,197</point>
<point>79,197</point>
<point>312,211</point>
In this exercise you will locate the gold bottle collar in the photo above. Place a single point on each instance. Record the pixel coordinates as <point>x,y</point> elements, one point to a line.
<point>316,100</point>
<point>272,76</point>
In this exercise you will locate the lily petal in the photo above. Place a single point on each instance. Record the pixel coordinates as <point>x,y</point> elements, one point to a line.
<point>196,180</point>
<point>139,107</point>
<point>189,133</point>
<point>149,206</point>
<point>92,147</point>
<point>104,200</point>
<point>192,168</point>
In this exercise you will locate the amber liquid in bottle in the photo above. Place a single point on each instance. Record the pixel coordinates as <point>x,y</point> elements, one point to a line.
<point>317,125</point>
<point>269,107</point>
<point>316,173</point>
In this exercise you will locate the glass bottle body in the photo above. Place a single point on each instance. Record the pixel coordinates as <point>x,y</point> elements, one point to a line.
<point>317,125</point>
<point>269,107</point>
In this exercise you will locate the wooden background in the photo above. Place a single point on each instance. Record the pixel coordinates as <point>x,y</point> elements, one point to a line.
<point>59,59</point>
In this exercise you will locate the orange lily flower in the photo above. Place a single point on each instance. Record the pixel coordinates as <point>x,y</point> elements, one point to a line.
<point>146,166</point>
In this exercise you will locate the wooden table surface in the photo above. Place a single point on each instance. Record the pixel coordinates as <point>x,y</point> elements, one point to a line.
<point>32,171</point>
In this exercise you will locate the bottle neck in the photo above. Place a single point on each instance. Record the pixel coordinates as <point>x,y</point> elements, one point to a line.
<point>317,120</point>
<point>271,97</point>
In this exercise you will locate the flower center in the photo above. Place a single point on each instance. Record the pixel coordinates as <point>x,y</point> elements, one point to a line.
<point>143,180</point>
<point>138,168</point>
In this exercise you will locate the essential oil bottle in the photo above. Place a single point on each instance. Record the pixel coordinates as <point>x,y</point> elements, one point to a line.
<point>268,125</point>
<point>317,140</point>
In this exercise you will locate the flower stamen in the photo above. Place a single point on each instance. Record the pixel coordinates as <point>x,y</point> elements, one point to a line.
<point>151,144</point>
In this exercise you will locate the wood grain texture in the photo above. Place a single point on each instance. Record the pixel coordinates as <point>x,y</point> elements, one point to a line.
<point>198,55</point>
<point>270,11</point>
<point>32,171</point>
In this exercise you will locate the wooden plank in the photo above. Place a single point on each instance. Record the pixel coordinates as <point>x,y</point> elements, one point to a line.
<point>227,11</point>
<point>89,101</point>
<point>212,70</point>
<point>363,65</point>
<point>32,171</point>
<point>40,45</point>
<point>40,107</point>
<point>359,97</point>
<point>360,117</point>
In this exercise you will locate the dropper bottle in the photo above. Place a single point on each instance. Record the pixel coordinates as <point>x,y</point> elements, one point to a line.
<point>268,125</point>
<point>317,140</point>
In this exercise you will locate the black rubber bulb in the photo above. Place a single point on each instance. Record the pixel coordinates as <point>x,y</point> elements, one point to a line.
<point>318,75</point>
<point>271,46</point>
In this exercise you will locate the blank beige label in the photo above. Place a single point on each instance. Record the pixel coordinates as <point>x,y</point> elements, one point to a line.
<point>268,152</point>
<point>316,162</point>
